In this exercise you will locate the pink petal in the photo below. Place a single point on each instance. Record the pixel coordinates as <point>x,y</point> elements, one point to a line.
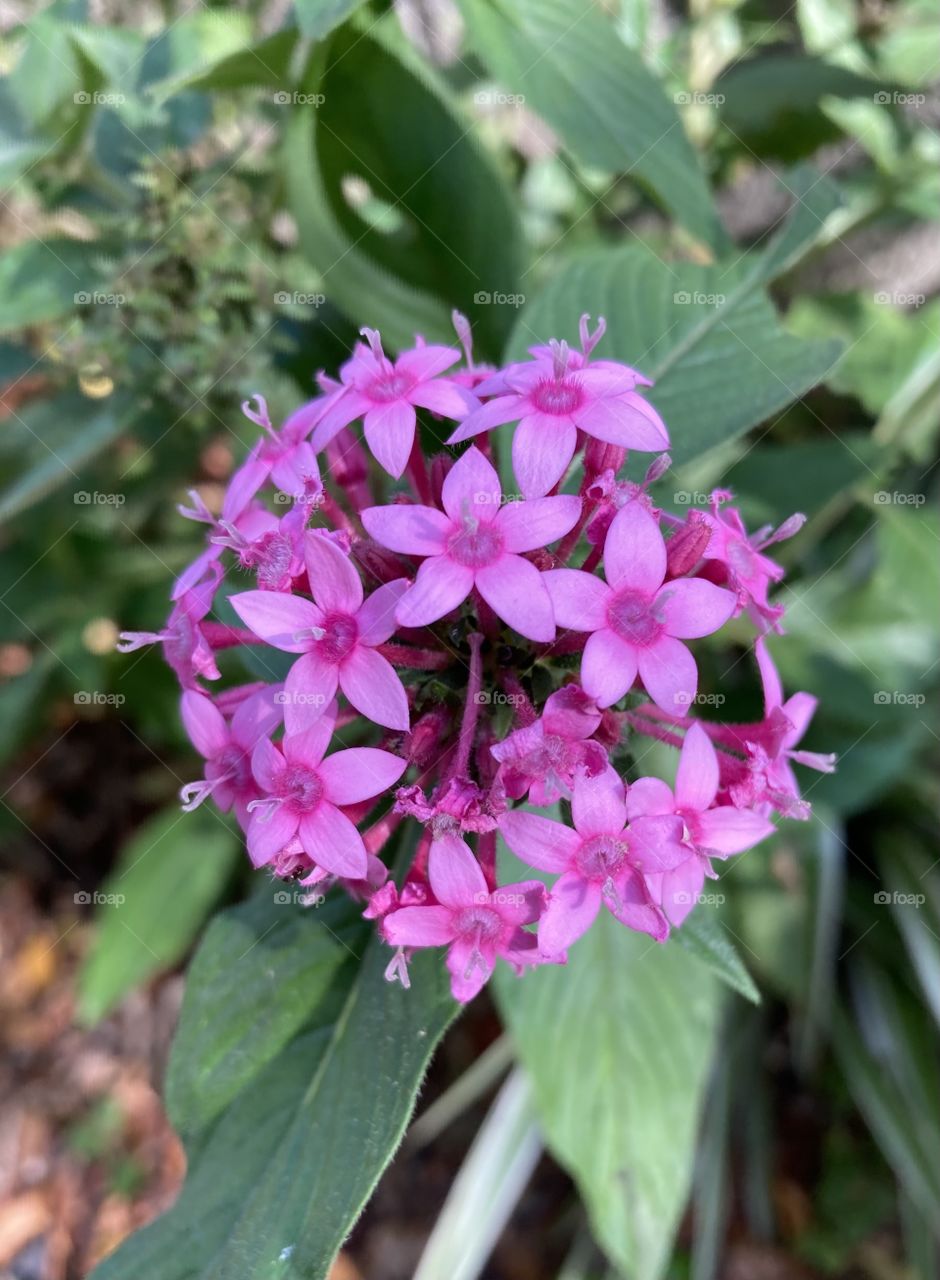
<point>692,607</point>
<point>419,927</point>
<point>572,908</point>
<point>520,903</point>
<point>334,580</point>
<point>278,618</point>
<point>390,433</point>
<point>266,764</point>
<point>308,691</point>
<point>269,832</point>
<point>681,888</point>
<point>426,361</point>
<point>455,875</point>
<point>770,677</point>
<point>607,380</point>
<point>598,804</point>
<point>470,965</point>
<point>492,414</point>
<point>443,398</point>
<point>204,723</point>
<point>656,843</point>
<point>728,830</point>
<point>307,747</point>
<point>376,617</point>
<point>669,675</point>
<point>608,667</point>
<point>526,526</point>
<point>570,712</point>
<point>542,447</point>
<point>697,777</point>
<point>257,717</point>
<point>333,842</point>
<point>539,841</point>
<point>636,909</point>
<point>347,408</point>
<point>413,530</point>
<point>371,684</point>
<point>472,487</point>
<point>359,774</point>
<point>799,710</point>
<point>441,585</point>
<point>514,590</point>
<point>578,599</point>
<point>634,552</point>
<point>625,420</point>
<point>649,795</point>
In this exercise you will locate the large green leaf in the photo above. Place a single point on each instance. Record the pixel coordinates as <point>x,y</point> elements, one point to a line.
<point>618,1045</point>
<point>275,1184</point>
<point>569,64</point>
<point>269,973</point>
<point>152,906</point>
<point>704,937</point>
<point>446,234</point>
<point>709,336</point>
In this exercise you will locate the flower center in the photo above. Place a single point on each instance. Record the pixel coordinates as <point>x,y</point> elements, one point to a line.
<point>340,634</point>
<point>631,615</point>
<point>271,557</point>
<point>601,857</point>
<point>474,544</point>
<point>299,787</point>
<point>231,765</point>
<point>559,396</point>
<point>481,922</point>
<point>391,386</point>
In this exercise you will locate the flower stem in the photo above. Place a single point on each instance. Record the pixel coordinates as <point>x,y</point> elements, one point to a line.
<point>406,655</point>
<point>471,710</point>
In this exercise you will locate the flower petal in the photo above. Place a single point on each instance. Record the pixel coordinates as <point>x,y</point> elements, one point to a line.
<point>649,795</point>
<point>579,599</point>
<point>456,877</point>
<point>520,903</point>
<point>655,843</point>
<point>334,580</point>
<point>526,526</point>
<point>539,841</point>
<point>278,618</point>
<point>634,552</point>
<point>425,362</point>
<point>693,607</point>
<point>443,398</point>
<point>598,804</point>
<point>418,927</point>
<point>266,763</point>
<point>697,776</point>
<point>390,433</point>
<point>470,965</point>
<point>542,447</point>
<point>669,675</point>
<point>376,617</point>
<point>333,842</point>
<point>412,530</point>
<point>636,909</point>
<point>359,774</point>
<point>308,691</point>
<point>204,723</point>
<point>472,487</point>
<point>627,420</point>
<point>728,830</point>
<point>572,908</point>
<point>441,585</point>
<point>608,667</point>
<point>371,684</point>
<point>269,832</point>
<point>492,414</point>
<point>345,409</point>
<point>514,590</point>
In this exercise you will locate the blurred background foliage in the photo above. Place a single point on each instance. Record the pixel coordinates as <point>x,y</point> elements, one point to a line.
<point>203,202</point>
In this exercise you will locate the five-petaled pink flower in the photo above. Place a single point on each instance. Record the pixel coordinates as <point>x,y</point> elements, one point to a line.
<point>384,394</point>
<point>336,636</point>
<point>601,861</point>
<point>302,792</point>
<point>227,748</point>
<point>476,542</point>
<point>555,396</point>
<point>475,923</point>
<point>542,758</point>
<point>638,621</point>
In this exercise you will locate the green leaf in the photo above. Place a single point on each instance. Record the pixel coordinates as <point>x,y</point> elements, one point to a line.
<point>269,978</point>
<point>275,1185</point>
<point>404,272</point>
<point>317,18</point>
<point>772,480</point>
<point>709,336</point>
<point>264,64</point>
<point>153,904</point>
<point>42,280</point>
<point>704,937</point>
<point>568,62</point>
<point>618,1044</point>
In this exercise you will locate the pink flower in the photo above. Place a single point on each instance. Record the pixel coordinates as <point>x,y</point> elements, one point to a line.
<point>638,621</point>
<point>302,792</point>
<point>337,637</point>
<point>384,394</point>
<point>185,647</point>
<point>600,861</point>
<point>555,396</point>
<point>227,749</point>
<point>475,924</point>
<point>542,758</point>
<point>477,543</point>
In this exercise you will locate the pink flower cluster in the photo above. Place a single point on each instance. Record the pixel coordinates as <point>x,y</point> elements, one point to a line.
<point>455,651</point>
